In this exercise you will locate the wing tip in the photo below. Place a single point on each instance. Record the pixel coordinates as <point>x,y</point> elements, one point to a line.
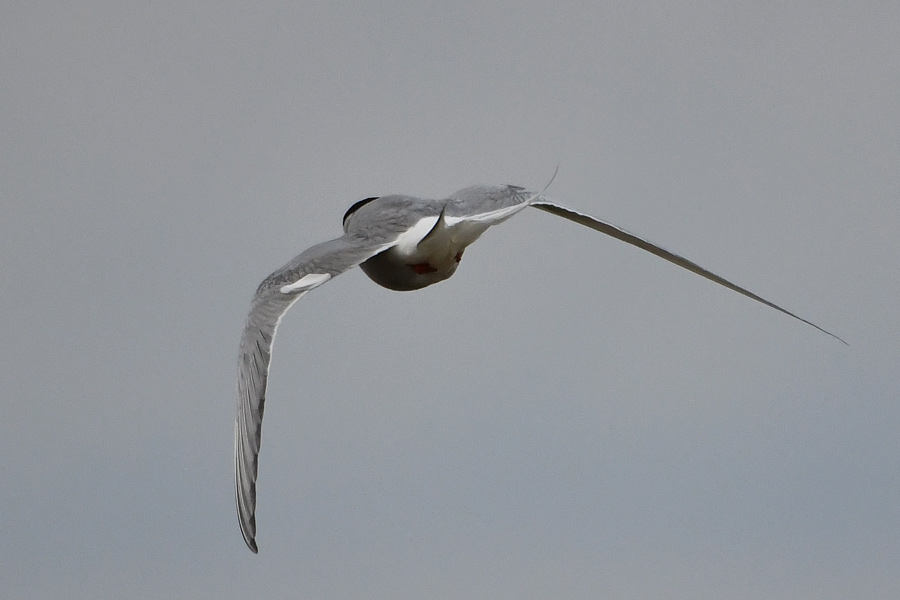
<point>248,531</point>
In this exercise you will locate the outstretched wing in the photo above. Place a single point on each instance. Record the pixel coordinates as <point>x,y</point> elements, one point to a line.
<point>486,205</point>
<point>273,298</point>
<point>471,211</point>
<point>630,238</point>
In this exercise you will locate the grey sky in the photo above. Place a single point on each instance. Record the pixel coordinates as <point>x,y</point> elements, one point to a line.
<point>567,416</point>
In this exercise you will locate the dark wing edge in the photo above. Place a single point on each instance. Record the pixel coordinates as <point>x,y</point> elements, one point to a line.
<point>272,300</point>
<point>630,238</point>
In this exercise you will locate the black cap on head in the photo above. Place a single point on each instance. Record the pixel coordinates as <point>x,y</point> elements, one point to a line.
<point>356,206</point>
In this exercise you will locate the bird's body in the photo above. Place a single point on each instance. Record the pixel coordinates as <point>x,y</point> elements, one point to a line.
<point>430,236</point>
<point>402,243</point>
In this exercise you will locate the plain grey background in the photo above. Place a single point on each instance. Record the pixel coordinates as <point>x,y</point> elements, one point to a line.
<point>567,417</point>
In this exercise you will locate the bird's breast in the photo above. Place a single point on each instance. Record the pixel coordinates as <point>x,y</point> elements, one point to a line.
<point>424,254</point>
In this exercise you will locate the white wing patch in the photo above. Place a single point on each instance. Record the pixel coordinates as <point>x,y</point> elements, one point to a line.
<point>409,239</point>
<point>305,283</point>
<point>490,218</point>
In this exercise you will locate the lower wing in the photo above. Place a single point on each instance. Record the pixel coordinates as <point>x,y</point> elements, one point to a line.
<point>274,297</point>
<point>630,238</point>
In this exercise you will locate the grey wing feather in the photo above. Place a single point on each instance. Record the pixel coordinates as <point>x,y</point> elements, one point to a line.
<point>269,305</point>
<point>629,238</point>
<point>488,204</point>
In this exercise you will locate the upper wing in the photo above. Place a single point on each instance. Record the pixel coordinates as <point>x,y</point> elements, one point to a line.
<point>629,238</point>
<point>471,211</point>
<point>273,298</point>
<point>486,205</point>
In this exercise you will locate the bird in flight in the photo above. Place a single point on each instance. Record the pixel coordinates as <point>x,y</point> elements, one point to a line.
<point>402,243</point>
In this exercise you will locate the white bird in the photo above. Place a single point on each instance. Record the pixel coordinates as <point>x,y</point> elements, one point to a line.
<point>402,243</point>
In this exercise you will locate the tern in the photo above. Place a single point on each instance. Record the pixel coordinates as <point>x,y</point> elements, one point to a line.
<point>402,243</point>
